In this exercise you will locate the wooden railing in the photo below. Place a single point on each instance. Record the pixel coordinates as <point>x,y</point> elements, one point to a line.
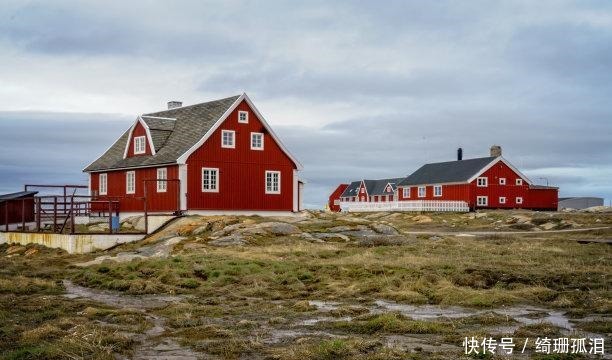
<point>412,205</point>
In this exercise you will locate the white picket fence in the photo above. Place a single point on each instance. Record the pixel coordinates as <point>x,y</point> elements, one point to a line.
<point>412,205</point>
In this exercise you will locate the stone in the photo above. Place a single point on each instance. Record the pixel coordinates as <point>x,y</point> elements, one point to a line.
<point>230,240</point>
<point>308,237</point>
<point>422,219</point>
<point>139,224</point>
<point>435,238</point>
<point>15,249</point>
<point>384,229</point>
<point>202,228</point>
<point>344,228</point>
<point>480,215</point>
<point>325,236</point>
<point>548,226</point>
<point>31,251</point>
<point>518,219</point>
<point>279,228</point>
<point>127,226</point>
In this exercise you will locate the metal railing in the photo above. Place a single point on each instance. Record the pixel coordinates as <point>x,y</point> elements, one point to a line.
<point>411,205</point>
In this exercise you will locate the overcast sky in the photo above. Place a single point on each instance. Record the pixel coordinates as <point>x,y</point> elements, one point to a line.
<point>359,89</point>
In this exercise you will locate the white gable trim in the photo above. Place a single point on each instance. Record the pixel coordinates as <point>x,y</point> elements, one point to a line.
<point>183,158</point>
<point>98,158</point>
<point>148,132</point>
<point>364,187</point>
<point>495,161</point>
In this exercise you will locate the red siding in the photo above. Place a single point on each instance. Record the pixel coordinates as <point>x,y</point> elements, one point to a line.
<point>139,130</point>
<point>543,199</point>
<point>449,192</point>
<point>241,170</point>
<point>494,190</point>
<point>17,210</point>
<point>335,196</point>
<point>156,201</point>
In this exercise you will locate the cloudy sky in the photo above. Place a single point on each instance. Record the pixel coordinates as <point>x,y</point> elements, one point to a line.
<point>356,89</point>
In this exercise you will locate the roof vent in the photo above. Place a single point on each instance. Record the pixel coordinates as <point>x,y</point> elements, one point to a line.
<point>496,151</point>
<point>174,104</point>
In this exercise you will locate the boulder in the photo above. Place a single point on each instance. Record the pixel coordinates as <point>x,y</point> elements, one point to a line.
<point>422,219</point>
<point>202,228</point>
<point>139,224</point>
<point>230,240</point>
<point>548,226</point>
<point>384,229</point>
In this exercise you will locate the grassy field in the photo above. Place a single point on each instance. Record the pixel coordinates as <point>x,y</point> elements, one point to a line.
<point>285,296</point>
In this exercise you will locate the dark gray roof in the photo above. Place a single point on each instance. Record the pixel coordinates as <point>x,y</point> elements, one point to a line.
<point>171,138</point>
<point>17,195</point>
<point>377,187</point>
<point>352,189</point>
<point>447,172</point>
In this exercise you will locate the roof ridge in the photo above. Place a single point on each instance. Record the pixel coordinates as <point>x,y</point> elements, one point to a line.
<point>192,105</point>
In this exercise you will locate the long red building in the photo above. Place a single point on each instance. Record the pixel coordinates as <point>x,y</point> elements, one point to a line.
<point>482,183</point>
<point>215,157</point>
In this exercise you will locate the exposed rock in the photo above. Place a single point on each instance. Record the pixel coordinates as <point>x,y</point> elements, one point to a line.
<point>548,226</point>
<point>597,220</point>
<point>230,240</point>
<point>597,209</point>
<point>99,227</point>
<point>480,215</point>
<point>202,228</point>
<point>226,230</point>
<point>422,219</point>
<point>15,249</point>
<point>518,219</point>
<point>127,226</point>
<point>309,237</point>
<point>139,224</point>
<point>435,238</point>
<point>360,233</point>
<point>344,228</point>
<point>160,250</point>
<point>31,251</point>
<point>324,236</point>
<point>279,228</point>
<point>384,229</point>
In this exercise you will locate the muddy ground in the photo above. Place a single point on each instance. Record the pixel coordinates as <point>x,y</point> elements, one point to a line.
<point>317,286</point>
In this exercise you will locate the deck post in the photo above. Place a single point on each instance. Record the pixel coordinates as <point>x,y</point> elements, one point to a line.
<point>6,210</point>
<point>23,214</point>
<point>38,209</point>
<point>72,214</point>
<point>54,213</point>
<point>110,217</point>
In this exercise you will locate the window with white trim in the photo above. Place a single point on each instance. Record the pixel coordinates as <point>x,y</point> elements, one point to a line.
<point>243,117</point>
<point>502,199</point>
<point>502,181</point>
<point>210,179</point>
<point>228,138</point>
<point>437,190</point>
<point>519,200</point>
<point>102,186</point>
<point>362,190</point>
<point>406,192</point>
<point>162,174</point>
<point>482,182</point>
<point>140,145</point>
<point>130,182</point>
<point>257,141</point>
<point>482,200</point>
<point>422,191</point>
<point>273,182</point>
<point>519,182</point>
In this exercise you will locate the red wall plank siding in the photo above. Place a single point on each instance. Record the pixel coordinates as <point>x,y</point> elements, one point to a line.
<point>241,170</point>
<point>449,192</point>
<point>156,201</point>
<point>543,199</point>
<point>139,130</point>
<point>494,190</point>
<point>18,210</point>
<point>335,196</point>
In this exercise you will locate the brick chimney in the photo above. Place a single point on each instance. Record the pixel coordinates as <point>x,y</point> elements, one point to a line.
<point>496,151</point>
<point>174,104</point>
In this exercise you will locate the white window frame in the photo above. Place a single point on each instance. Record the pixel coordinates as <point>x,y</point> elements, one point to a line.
<point>233,144</point>
<point>140,140</point>
<point>246,117</point>
<point>502,181</point>
<point>424,194</point>
<point>518,182</point>
<point>485,203</point>
<point>271,190</point>
<point>406,192</point>
<point>482,181</point>
<point>519,200</point>
<point>210,187</point>
<point>253,135</point>
<point>502,199</point>
<point>128,189</point>
<point>103,184</point>
<point>436,187</point>
<point>162,174</point>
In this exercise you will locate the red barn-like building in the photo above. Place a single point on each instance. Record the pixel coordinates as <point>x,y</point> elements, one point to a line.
<point>334,199</point>
<point>215,157</point>
<point>482,183</point>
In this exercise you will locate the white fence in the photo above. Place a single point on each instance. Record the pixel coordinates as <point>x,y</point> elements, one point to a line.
<point>413,205</point>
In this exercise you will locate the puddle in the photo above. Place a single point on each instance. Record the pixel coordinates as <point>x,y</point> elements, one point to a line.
<point>314,321</point>
<point>412,343</point>
<point>324,305</point>
<point>283,335</point>
<point>424,312</point>
<point>116,299</point>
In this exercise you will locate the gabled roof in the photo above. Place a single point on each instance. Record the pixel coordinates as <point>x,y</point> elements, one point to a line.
<point>175,134</point>
<point>17,195</point>
<point>352,189</point>
<point>448,172</point>
<point>377,187</point>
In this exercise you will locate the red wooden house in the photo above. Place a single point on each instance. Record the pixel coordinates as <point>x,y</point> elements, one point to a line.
<point>333,203</point>
<point>215,157</point>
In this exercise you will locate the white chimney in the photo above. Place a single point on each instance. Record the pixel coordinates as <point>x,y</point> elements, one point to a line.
<point>174,104</point>
<point>496,151</point>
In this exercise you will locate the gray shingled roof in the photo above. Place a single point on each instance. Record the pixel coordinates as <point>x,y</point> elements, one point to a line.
<point>377,187</point>
<point>447,172</point>
<point>171,138</point>
<point>17,195</point>
<point>351,190</point>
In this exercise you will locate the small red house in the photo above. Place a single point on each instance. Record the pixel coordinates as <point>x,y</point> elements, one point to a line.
<point>215,157</point>
<point>334,199</point>
<point>17,208</point>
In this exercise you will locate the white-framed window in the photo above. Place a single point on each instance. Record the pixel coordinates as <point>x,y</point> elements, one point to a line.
<point>406,192</point>
<point>502,199</point>
<point>210,179</point>
<point>482,200</point>
<point>257,141</point>
<point>502,181</point>
<point>130,182</point>
<point>482,182</point>
<point>422,191</point>
<point>273,182</point>
<point>228,138</point>
<point>519,200</point>
<point>437,190</point>
<point>519,182</point>
<point>162,174</point>
<point>140,145</point>
<point>362,190</point>
<point>103,184</point>
<point>243,117</point>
